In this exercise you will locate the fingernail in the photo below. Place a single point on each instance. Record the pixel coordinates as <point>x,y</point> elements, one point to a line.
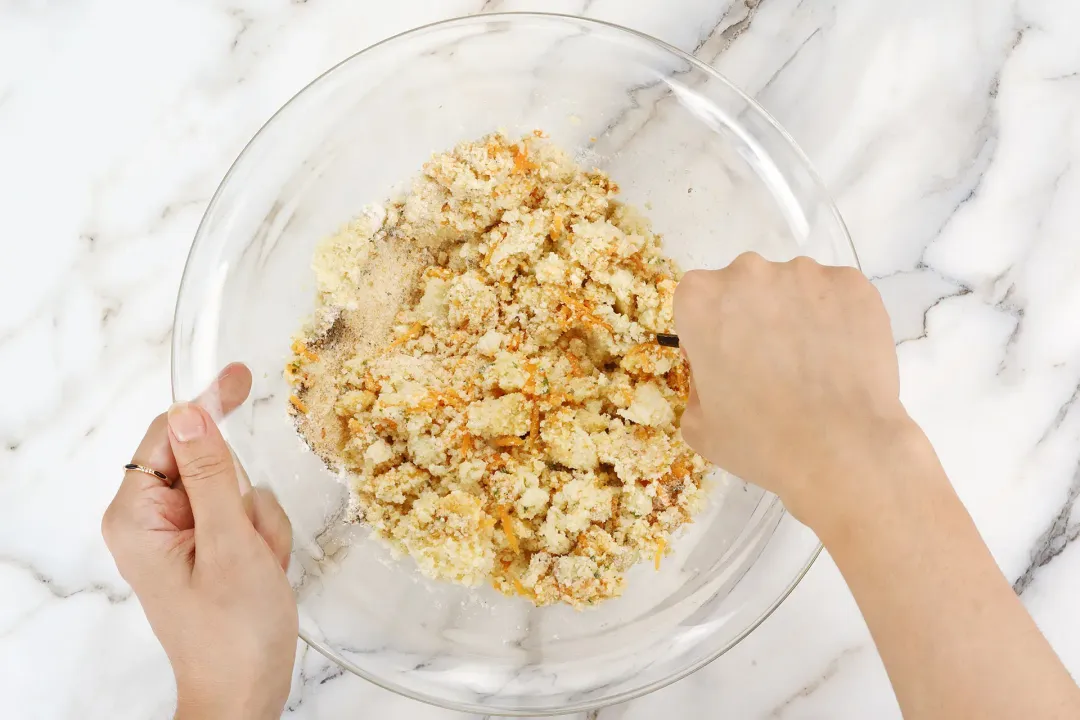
<point>186,422</point>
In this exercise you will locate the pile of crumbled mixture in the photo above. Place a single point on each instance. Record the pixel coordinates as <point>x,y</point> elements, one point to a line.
<point>515,422</point>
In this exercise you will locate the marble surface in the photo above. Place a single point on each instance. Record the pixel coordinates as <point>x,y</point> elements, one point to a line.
<point>948,130</point>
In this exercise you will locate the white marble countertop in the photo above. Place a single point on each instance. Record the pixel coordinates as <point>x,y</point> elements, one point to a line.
<point>948,130</point>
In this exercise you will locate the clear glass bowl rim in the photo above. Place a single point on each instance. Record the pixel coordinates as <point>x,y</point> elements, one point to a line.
<point>186,279</point>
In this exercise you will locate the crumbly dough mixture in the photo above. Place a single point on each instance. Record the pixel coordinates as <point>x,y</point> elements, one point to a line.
<point>515,422</point>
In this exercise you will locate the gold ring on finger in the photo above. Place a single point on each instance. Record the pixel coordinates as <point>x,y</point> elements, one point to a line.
<point>149,471</point>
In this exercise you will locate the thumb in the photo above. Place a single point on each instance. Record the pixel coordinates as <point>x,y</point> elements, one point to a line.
<point>206,469</point>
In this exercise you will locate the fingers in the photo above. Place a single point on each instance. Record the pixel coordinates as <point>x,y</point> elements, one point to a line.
<point>225,394</point>
<point>695,306</point>
<point>690,422</point>
<point>143,501</point>
<point>153,452</point>
<point>145,505</point>
<point>703,296</point>
<point>271,522</point>
<point>228,391</point>
<point>206,467</point>
<point>687,293</point>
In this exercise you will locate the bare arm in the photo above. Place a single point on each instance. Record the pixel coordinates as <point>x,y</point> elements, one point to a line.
<point>795,388</point>
<point>954,637</point>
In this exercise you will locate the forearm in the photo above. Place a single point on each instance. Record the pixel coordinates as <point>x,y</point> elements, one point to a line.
<point>211,701</point>
<point>201,711</point>
<point>954,637</point>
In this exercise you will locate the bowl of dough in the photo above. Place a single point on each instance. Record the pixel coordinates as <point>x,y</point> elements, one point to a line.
<point>447,261</point>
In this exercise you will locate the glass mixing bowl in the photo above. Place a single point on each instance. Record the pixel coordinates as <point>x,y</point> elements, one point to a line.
<point>717,176</point>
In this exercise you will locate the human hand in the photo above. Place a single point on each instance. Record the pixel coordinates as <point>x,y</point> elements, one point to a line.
<point>206,559</point>
<point>794,375</point>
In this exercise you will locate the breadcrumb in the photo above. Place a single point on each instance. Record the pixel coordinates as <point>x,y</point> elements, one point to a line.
<point>519,426</point>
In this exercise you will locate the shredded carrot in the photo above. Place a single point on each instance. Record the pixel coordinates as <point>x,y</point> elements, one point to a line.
<point>565,316</point>
<point>385,425</point>
<point>490,252</point>
<point>638,360</point>
<point>575,365</point>
<point>583,310</point>
<point>369,383</point>
<point>557,227</point>
<point>508,441</point>
<point>301,349</point>
<point>570,302</point>
<point>466,444</point>
<point>534,425</point>
<point>439,272</point>
<point>322,433</point>
<point>508,528</point>
<point>679,379</point>
<point>661,546</point>
<point>413,332</point>
<point>558,398</point>
<point>298,404</point>
<point>529,388</point>
<point>428,403</point>
<point>638,263</point>
<point>680,468</point>
<point>580,544</point>
<point>597,321</point>
<point>522,590</point>
<point>521,158</point>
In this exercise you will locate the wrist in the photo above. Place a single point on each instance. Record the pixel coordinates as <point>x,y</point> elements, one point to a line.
<point>200,710</point>
<point>881,466</point>
<point>220,703</point>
